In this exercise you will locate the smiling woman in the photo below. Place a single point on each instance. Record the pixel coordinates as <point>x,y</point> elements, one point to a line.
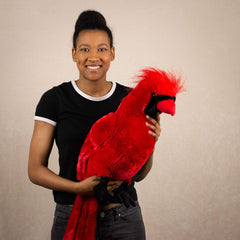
<point>93,55</point>
<point>65,114</point>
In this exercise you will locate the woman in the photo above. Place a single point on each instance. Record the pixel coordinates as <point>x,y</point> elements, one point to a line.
<point>66,113</point>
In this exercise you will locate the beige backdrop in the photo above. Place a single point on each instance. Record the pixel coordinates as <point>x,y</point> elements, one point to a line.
<point>193,190</point>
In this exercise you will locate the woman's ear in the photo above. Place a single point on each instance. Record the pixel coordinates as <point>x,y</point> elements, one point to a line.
<point>74,54</point>
<point>113,53</point>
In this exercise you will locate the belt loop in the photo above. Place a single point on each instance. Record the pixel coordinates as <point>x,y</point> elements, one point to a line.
<point>116,214</point>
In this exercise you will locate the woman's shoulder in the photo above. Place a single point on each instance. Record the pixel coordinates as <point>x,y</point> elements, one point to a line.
<point>123,88</point>
<point>60,87</point>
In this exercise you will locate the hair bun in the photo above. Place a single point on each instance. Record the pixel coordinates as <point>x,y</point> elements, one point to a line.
<point>90,18</point>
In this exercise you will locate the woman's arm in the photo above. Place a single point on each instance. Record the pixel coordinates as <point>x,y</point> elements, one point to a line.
<point>38,171</point>
<point>143,172</point>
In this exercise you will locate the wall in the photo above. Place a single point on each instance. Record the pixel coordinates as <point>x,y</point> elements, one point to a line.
<point>192,191</point>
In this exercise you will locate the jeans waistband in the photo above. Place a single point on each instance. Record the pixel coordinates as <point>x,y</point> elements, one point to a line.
<point>113,211</point>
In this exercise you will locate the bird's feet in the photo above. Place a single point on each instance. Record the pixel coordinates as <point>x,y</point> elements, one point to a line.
<point>119,195</point>
<point>101,193</point>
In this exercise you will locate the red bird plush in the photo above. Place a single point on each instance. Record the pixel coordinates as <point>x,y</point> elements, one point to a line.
<point>119,144</point>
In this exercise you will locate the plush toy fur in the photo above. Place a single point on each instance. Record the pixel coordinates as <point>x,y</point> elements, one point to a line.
<point>119,144</point>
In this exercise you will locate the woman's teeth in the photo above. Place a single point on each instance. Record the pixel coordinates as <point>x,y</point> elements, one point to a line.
<point>93,67</point>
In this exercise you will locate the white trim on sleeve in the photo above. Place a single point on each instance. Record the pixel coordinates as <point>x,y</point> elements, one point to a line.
<point>45,120</point>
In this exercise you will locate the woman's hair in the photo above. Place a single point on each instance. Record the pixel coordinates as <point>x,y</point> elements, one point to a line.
<point>91,20</point>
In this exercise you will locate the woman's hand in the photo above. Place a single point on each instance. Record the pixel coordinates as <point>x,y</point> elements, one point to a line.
<point>154,125</point>
<point>86,186</point>
<point>112,185</point>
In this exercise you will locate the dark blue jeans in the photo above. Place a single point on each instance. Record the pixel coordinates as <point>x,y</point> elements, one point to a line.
<point>121,223</point>
<point>118,223</point>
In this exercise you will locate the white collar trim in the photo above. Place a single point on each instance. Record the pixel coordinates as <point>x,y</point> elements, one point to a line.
<point>96,99</point>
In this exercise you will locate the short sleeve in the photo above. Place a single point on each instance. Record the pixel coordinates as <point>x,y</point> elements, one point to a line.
<point>47,108</point>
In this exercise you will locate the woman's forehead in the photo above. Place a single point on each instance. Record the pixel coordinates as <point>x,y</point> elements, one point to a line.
<point>96,37</point>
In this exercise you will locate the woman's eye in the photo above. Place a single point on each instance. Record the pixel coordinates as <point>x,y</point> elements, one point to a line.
<point>84,49</point>
<point>102,49</point>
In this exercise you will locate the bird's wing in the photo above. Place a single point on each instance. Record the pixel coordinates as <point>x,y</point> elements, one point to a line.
<point>103,130</point>
<point>83,157</point>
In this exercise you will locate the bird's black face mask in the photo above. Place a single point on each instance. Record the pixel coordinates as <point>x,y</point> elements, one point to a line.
<point>151,109</point>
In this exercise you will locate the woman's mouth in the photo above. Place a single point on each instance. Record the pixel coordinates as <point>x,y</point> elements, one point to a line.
<point>93,67</point>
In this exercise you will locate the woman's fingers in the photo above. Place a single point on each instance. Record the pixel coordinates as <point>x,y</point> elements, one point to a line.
<point>154,125</point>
<point>112,185</point>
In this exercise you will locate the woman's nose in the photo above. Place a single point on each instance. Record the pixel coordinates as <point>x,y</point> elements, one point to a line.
<point>93,59</point>
<point>93,56</point>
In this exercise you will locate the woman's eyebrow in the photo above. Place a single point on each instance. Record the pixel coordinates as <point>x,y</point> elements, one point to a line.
<point>103,44</point>
<point>83,45</point>
<point>87,45</point>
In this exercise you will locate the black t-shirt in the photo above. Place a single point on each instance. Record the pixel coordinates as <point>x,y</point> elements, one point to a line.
<point>73,113</point>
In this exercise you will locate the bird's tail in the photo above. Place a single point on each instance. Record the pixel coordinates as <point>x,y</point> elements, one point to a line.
<point>82,221</point>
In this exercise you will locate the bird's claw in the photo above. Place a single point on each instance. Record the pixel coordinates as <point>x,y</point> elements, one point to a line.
<point>101,193</point>
<point>119,195</point>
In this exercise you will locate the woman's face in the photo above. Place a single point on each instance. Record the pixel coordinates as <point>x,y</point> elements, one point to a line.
<point>93,54</point>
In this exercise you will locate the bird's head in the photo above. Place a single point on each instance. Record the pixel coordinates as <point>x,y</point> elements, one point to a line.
<point>160,104</point>
<point>163,90</point>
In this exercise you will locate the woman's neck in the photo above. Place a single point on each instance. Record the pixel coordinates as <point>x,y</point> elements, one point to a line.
<point>94,88</point>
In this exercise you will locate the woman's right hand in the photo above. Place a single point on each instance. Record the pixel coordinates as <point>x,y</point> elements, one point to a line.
<point>86,186</point>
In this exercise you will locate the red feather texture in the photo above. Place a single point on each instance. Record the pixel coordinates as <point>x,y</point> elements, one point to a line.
<point>160,82</point>
<point>117,146</point>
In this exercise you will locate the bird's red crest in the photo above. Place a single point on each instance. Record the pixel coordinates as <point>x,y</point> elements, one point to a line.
<point>160,81</point>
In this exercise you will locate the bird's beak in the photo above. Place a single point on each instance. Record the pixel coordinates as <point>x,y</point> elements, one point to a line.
<point>166,106</point>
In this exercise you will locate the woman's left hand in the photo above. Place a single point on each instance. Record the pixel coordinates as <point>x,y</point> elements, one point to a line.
<point>154,125</point>
<point>114,184</point>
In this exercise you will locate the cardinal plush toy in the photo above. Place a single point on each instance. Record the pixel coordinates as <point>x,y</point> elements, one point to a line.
<point>119,144</point>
